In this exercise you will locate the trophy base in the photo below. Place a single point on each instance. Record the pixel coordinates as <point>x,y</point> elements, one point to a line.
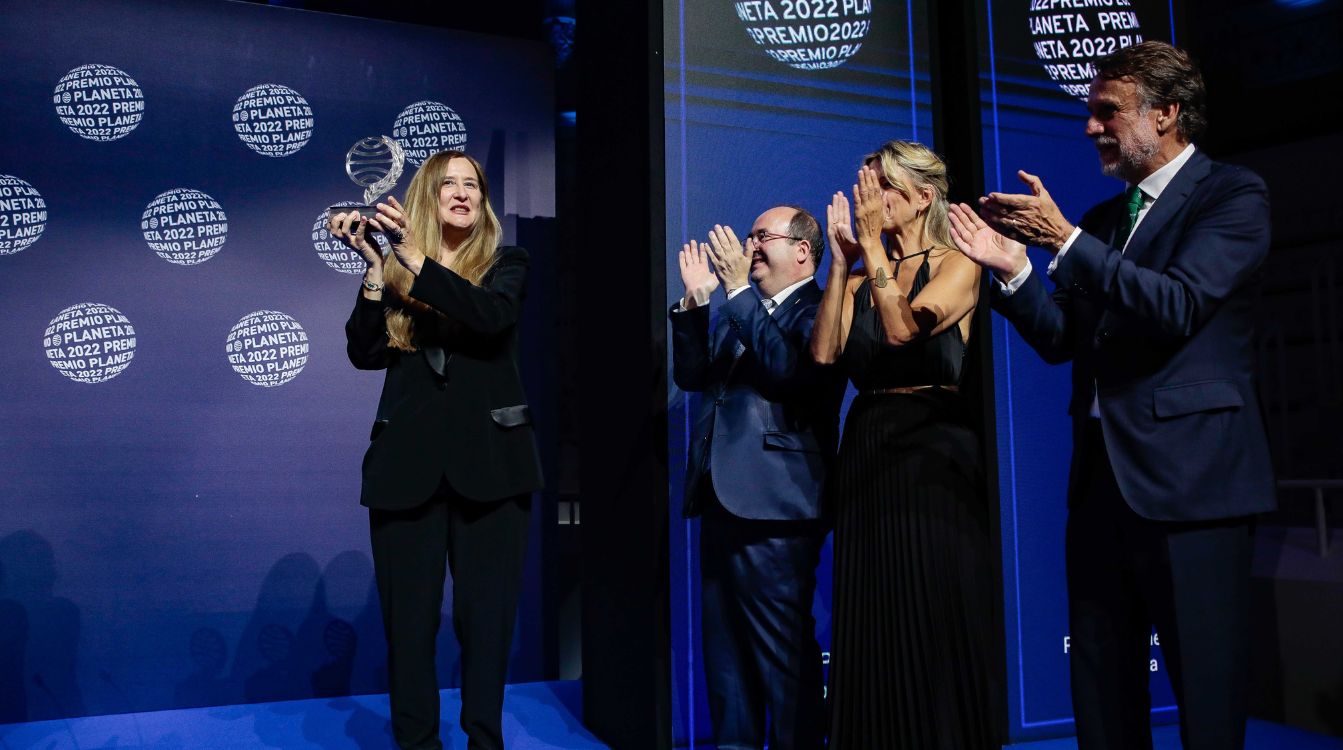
<point>367,212</point>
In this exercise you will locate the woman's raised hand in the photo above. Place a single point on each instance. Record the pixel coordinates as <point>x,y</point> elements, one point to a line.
<point>354,231</point>
<point>391,219</point>
<point>839,229</point>
<point>869,208</point>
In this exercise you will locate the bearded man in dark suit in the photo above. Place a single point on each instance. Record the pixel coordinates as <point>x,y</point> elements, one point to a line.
<point>1153,306</point>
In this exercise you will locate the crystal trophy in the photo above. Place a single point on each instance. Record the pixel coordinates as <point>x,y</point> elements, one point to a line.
<point>375,164</point>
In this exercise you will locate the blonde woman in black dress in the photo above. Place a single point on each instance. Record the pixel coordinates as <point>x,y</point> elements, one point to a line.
<point>912,569</point>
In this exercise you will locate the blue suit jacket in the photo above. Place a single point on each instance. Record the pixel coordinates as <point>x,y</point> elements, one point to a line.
<point>767,427</point>
<point>1163,331</point>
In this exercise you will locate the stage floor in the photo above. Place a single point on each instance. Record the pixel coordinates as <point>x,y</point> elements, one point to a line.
<point>1260,735</point>
<point>537,716</point>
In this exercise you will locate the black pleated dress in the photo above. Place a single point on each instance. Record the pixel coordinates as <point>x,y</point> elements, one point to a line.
<point>913,594</point>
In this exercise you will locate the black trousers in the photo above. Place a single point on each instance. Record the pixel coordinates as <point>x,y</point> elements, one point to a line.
<point>1127,574</point>
<point>483,545</point>
<point>758,632</point>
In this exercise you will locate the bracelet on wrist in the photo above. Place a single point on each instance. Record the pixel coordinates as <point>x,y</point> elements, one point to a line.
<point>372,286</point>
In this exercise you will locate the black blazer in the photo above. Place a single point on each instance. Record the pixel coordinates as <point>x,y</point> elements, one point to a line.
<point>1163,331</point>
<point>455,408</point>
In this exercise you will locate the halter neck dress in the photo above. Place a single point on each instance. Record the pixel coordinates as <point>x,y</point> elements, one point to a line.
<point>913,597</point>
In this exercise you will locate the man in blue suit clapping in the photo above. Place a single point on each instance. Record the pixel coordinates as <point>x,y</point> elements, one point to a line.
<point>765,430</point>
<point>1153,305</point>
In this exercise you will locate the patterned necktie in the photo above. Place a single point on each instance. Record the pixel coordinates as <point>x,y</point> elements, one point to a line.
<point>1130,217</point>
<point>740,347</point>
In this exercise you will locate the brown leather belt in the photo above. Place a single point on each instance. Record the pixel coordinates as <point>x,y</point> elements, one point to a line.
<point>910,389</point>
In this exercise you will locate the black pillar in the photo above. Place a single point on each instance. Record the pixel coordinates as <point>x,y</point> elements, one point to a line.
<point>623,396</point>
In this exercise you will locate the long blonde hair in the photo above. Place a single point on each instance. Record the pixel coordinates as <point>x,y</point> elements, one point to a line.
<point>471,261</point>
<point>924,168</point>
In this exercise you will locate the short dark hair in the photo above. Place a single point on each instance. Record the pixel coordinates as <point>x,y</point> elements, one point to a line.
<point>1163,75</point>
<point>804,226</point>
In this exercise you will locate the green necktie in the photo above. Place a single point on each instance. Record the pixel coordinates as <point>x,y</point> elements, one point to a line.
<point>1130,217</point>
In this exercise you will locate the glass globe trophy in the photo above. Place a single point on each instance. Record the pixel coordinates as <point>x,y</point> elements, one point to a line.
<point>375,164</point>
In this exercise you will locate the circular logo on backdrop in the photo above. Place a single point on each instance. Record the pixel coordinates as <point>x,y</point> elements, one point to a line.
<point>333,252</point>
<point>267,348</point>
<point>89,342</point>
<point>807,34</point>
<point>184,226</point>
<point>425,128</point>
<point>23,214</point>
<point>273,120</point>
<point>99,102</point>
<point>1068,42</point>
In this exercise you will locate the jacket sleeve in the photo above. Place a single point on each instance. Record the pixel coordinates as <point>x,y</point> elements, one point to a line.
<point>490,308</point>
<point>1221,246</point>
<point>690,348</point>
<point>1043,319</point>
<point>783,355</point>
<point>366,335</point>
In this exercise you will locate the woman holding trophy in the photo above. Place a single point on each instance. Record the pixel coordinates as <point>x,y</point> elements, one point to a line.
<point>452,462</point>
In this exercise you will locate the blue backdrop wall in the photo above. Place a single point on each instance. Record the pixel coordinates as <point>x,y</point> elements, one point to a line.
<point>182,433</point>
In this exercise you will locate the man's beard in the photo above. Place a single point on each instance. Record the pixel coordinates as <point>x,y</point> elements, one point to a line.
<point>1134,156</point>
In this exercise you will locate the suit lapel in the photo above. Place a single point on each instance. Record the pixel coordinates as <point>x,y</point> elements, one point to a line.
<point>720,340</point>
<point>1112,215</point>
<point>1170,203</point>
<point>726,345</point>
<point>783,315</point>
<point>807,292</point>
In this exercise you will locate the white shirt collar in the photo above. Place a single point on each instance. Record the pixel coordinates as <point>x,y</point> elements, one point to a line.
<point>788,290</point>
<point>1156,182</point>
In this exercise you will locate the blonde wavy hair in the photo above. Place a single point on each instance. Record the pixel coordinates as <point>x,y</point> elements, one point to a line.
<point>409,320</point>
<point>901,159</point>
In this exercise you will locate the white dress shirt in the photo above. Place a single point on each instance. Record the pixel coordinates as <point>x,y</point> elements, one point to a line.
<point>777,299</point>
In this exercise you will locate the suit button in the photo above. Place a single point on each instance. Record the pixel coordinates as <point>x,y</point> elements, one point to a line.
<point>1103,335</point>
<point>718,402</point>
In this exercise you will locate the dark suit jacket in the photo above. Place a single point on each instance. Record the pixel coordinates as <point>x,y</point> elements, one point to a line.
<point>1163,331</point>
<point>455,408</point>
<point>768,425</point>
